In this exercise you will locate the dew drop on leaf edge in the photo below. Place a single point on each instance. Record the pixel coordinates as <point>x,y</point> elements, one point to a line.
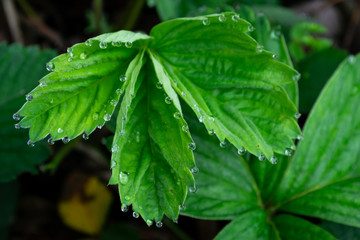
<point>16,116</point>
<point>206,21</point>
<point>124,177</point>
<point>50,66</point>
<point>192,146</point>
<point>50,141</point>
<point>107,117</point>
<point>149,222</point>
<point>29,97</point>
<point>159,224</point>
<point>241,151</point>
<point>65,140</point>
<point>136,215</point>
<point>30,143</point>
<point>124,207</point>
<point>192,189</point>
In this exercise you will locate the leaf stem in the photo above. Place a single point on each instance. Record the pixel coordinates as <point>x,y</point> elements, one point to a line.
<point>53,165</point>
<point>175,229</point>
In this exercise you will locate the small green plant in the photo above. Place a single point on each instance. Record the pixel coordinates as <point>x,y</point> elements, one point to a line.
<point>213,88</point>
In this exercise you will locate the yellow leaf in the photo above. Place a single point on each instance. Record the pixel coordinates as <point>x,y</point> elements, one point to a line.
<point>85,204</point>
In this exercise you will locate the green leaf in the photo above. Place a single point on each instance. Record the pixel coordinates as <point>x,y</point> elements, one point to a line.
<point>226,188</point>
<point>251,225</point>
<point>326,160</point>
<point>315,70</point>
<point>151,158</point>
<point>341,232</point>
<point>19,70</point>
<point>237,93</point>
<point>272,40</point>
<point>294,228</point>
<point>82,90</point>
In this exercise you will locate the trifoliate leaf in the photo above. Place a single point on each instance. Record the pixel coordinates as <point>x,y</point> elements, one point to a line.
<point>210,62</point>
<point>20,68</point>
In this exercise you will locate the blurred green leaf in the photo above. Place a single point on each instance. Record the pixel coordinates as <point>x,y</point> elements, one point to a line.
<point>295,228</point>
<point>302,40</point>
<point>20,68</point>
<point>251,225</point>
<point>315,70</point>
<point>340,231</point>
<point>185,8</point>
<point>9,196</point>
<point>120,231</point>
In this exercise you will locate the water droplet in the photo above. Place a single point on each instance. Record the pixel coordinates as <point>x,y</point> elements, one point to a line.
<point>121,133</point>
<point>206,21</point>
<point>43,84</point>
<point>259,48</point>
<point>183,94</point>
<point>201,119</point>
<point>107,117</point>
<point>103,45</point>
<point>136,215</point>
<point>211,132</point>
<point>212,119</point>
<point>241,151</point>
<point>115,148</point>
<point>192,146</point>
<point>250,28</point>
<point>297,115</point>
<point>95,116</point>
<point>168,100</point>
<point>192,189</point>
<point>85,136</point>
<point>273,160</point>
<point>182,207</point>
<point>222,144</point>
<point>112,164</point>
<point>17,126</point>
<point>127,198</point>
<point>51,141</point>
<point>185,128</point>
<point>222,18</point>
<point>159,224</point>
<point>123,78</point>
<point>88,42</point>
<point>137,137</point>
<point>69,50</point>
<point>159,85</point>
<point>100,125</point>
<point>113,102</point>
<point>124,207</point>
<point>175,220</point>
<point>16,116</point>
<point>50,66</point>
<point>177,115</point>
<point>119,91</point>
<point>300,137</point>
<point>351,59</point>
<point>194,170</point>
<point>275,34</point>
<point>114,44</point>
<point>29,97</point>
<point>297,77</point>
<point>275,57</point>
<point>65,140</point>
<point>52,101</point>
<point>288,152</point>
<point>128,44</point>
<point>235,18</point>
<point>261,157</point>
<point>70,59</point>
<point>149,222</point>
<point>30,143</point>
<point>124,177</point>
<point>60,130</point>
<point>83,56</point>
